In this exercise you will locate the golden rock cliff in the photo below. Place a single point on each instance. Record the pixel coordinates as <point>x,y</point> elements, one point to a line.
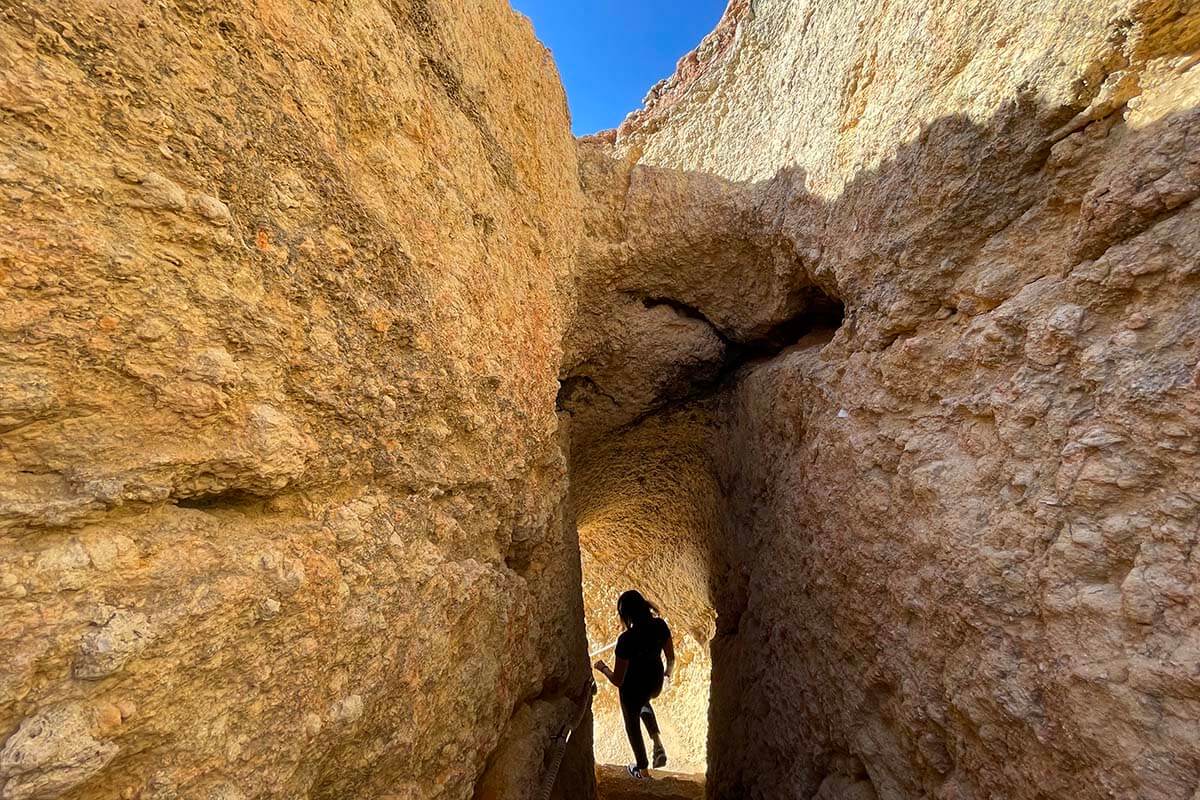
<point>338,384</point>
<point>282,288</point>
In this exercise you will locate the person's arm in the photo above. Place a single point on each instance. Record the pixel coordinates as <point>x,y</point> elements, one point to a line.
<point>669,652</point>
<point>615,676</point>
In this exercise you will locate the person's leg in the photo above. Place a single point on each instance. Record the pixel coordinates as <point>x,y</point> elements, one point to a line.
<point>630,710</point>
<point>651,722</point>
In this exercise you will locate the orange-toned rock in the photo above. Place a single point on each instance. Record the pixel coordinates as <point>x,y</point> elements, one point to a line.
<point>225,232</point>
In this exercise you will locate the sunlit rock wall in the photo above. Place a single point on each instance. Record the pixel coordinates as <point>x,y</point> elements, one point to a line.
<point>282,290</point>
<point>959,557</point>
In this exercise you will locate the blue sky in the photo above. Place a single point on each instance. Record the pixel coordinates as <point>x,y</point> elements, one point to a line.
<point>610,52</point>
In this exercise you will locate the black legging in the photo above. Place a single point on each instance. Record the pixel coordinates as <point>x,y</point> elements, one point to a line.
<point>635,708</point>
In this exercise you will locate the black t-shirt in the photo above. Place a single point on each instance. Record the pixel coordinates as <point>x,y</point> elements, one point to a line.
<point>642,646</point>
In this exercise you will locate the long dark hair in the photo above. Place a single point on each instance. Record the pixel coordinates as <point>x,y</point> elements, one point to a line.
<point>633,609</point>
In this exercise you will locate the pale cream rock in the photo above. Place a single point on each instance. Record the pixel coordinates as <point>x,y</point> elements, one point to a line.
<point>53,752</point>
<point>120,636</point>
<point>952,541</point>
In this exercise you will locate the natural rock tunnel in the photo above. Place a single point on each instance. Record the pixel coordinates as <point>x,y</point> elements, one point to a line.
<point>689,286</point>
<point>341,390</point>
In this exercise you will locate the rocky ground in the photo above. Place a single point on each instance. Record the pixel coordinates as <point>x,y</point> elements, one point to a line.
<point>614,783</point>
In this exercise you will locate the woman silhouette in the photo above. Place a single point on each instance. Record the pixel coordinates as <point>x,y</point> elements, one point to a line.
<point>639,674</point>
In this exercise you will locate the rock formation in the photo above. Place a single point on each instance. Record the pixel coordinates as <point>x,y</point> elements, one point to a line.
<point>951,516</point>
<point>282,291</point>
<point>869,349</point>
<point>614,783</point>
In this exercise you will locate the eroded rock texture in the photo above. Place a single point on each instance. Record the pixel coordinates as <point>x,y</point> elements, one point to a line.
<point>956,548</point>
<point>878,336</point>
<point>614,783</point>
<point>282,289</point>
<point>682,278</point>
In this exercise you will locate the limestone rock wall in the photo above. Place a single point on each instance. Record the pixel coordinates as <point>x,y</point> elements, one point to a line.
<point>834,88</point>
<point>958,553</point>
<point>282,290</point>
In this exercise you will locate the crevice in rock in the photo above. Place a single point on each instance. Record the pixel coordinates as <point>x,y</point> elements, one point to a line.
<point>821,313</point>
<point>571,389</point>
<point>519,557</point>
<point>689,311</point>
<point>221,500</point>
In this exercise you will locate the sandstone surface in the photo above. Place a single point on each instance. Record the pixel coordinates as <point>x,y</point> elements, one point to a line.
<point>282,291</point>
<point>952,510</point>
<point>339,386</point>
<point>613,783</point>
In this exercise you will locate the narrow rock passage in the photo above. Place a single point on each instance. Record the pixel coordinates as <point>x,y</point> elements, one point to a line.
<point>342,391</point>
<point>613,783</point>
<point>941,531</point>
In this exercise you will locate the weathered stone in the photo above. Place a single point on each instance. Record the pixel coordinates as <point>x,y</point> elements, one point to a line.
<point>25,395</point>
<point>940,531</point>
<point>120,637</point>
<point>212,210</point>
<point>271,261</point>
<point>875,343</point>
<point>158,193</point>
<point>53,752</point>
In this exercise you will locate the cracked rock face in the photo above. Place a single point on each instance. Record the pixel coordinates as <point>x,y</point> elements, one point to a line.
<point>282,289</point>
<point>955,552</point>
